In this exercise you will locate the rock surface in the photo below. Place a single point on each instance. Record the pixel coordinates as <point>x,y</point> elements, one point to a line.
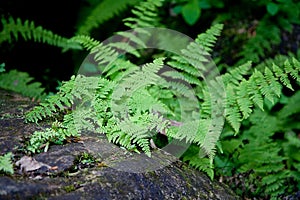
<point>92,168</point>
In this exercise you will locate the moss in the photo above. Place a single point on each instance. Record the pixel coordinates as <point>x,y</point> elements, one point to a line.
<point>69,188</point>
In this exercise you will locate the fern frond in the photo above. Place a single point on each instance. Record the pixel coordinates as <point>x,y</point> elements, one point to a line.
<point>86,41</point>
<point>208,39</point>
<point>244,101</point>
<point>141,78</point>
<point>184,66</point>
<point>273,83</point>
<point>259,151</point>
<point>255,95</point>
<point>193,64</point>
<point>205,111</point>
<point>120,65</point>
<point>79,87</point>
<point>292,107</point>
<point>13,28</point>
<point>212,137</point>
<point>104,55</point>
<point>53,103</point>
<point>188,131</point>
<point>263,85</point>
<point>182,76</point>
<point>235,75</point>
<point>180,89</point>
<point>264,156</point>
<point>125,47</point>
<point>232,112</point>
<point>293,69</point>
<point>194,59</point>
<point>282,76</point>
<point>6,164</point>
<point>57,134</point>
<point>257,47</point>
<point>22,83</point>
<point>194,157</point>
<point>243,94</point>
<point>146,15</point>
<point>121,138</point>
<point>102,12</point>
<point>142,101</point>
<point>136,131</point>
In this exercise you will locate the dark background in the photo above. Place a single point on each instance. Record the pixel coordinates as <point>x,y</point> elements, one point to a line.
<point>47,64</point>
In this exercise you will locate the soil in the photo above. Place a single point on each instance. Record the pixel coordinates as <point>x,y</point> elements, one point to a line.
<point>90,167</point>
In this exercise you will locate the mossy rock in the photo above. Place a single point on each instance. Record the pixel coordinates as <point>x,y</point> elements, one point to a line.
<point>93,168</point>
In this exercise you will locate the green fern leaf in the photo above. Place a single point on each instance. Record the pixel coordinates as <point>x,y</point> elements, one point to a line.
<point>263,86</point>
<point>209,38</point>
<point>273,83</point>
<point>195,158</point>
<point>6,163</point>
<point>146,15</point>
<point>102,12</point>
<point>28,31</point>
<point>236,74</point>
<point>184,66</point>
<point>292,107</point>
<point>232,112</point>
<point>293,70</point>
<point>282,76</point>
<point>244,101</point>
<point>22,83</point>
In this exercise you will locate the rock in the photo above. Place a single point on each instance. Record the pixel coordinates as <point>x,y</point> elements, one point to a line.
<point>93,168</point>
<point>28,164</point>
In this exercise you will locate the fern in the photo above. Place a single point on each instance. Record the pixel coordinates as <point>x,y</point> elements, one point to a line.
<point>2,67</point>
<point>102,12</point>
<point>22,83</point>
<point>105,54</point>
<point>260,151</point>
<point>57,134</point>
<point>244,89</point>
<point>136,129</point>
<point>76,88</point>
<point>194,60</point>
<point>241,98</point>
<point>120,65</point>
<point>13,28</point>
<point>136,118</point>
<point>194,157</point>
<point>53,103</point>
<point>195,64</point>
<point>81,90</point>
<point>242,95</point>
<point>6,165</point>
<point>146,15</point>
<point>78,92</point>
<point>257,47</point>
<point>132,104</point>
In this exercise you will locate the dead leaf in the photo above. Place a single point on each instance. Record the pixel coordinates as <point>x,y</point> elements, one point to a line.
<point>54,168</point>
<point>28,164</point>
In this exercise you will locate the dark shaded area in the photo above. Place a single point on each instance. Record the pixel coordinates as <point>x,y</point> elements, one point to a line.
<point>47,64</point>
